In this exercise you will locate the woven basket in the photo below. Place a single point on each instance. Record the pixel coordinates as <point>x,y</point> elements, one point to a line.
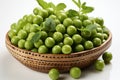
<point>44,62</point>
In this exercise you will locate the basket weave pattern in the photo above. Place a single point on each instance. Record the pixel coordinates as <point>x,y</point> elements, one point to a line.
<point>44,62</point>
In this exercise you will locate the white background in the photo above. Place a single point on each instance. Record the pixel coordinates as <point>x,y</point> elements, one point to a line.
<point>12,10</point>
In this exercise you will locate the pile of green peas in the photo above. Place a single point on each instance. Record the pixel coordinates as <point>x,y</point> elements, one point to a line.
<point>65,39</point>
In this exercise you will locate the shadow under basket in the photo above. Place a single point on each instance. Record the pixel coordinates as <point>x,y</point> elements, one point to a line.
<point>44,62</point>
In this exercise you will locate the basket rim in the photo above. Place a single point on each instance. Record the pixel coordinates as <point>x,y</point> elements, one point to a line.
<point>7,40</point>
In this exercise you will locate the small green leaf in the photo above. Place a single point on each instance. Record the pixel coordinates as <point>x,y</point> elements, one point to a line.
<point>83,5</point>
<point>43,4</point>
<point>72,13</point>
<point>78,4</point>
<point>36,37</point>
<point>50,24</point>
<point>60,6</point>
<point>87,9</point>
<point>91,27</point>
<point>51,5</point>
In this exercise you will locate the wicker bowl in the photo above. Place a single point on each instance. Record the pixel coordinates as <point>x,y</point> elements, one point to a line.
<point>44,62</point>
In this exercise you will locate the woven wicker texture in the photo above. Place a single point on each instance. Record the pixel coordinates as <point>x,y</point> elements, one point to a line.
<point>44,62</point>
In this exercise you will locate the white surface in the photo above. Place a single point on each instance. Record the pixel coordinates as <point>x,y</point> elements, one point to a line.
<point>12,10</point>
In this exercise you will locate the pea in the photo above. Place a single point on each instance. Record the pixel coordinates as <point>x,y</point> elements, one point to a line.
<point>15,40</point>
<point>34,50</point>
<point>44,35</point>
<point>66,49</point>
<point>93,32</point>
<point>50,11</point>
<point>103,40</point>
<point>18,27</point>
<point>36,10</point>
<point>49,42</point>
<point>37,20</point>
<point>38,43</point>
<point>30,35</point>
<point>83,40</point>
<point>99,21</point>
<point>60,28</point>
<point>88,45</point>
<point>62,16</point>
<point>34,28</point>
<point>79,48</point>
<point>105,30</point>
<point>58,36</point>
<point>97,41</point>
<point>22,34</point>
<point>21,23</point>
<point>42,49</point>
<point>43,13</point>
<point>75,72</point>
<point>77,23</point>
<point>105,36</point>
<point>86,34</point>
<point>67,22</point>
<point>21,43</point>
<point>25,18</point>
<point>87,22</point>
<point>29,45</point>
<point>60,44</point>
<point>12,33</point>
<point>66,35</point>
<point>53,17</point>
<point>68,41</point>
<point>13,26</point>
<point>99,35</point>
<point>54,74</point>
<point>99,65</point>
<point>99,30</point>
<point>83,17</point>
<point>97,25</point>
<point>56,49</point>
<point>71,30</point>
<point>107,57</point>
<point>30,18</point>
<point>27,27</point>
<point>77,38</point>
<point>57,21</point>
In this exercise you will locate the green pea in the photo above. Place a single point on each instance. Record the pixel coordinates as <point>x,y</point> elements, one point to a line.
<point>75,72</point>
<point>22,34</point>
<point>88,45</point>
<point>67,22</point>
<point>66,49</point>
<point>49,42</point>
<point>58,36</point>
<point>42,49</point>
<point>21,43</point>
<point>99,65</point>
<point>77,38</point>
<point>97,41</point>
<point>71,30</point>
<point>68,41</point>
<point>37,20</point>
<point>56,49</point>
<point>54,74</point>
<point>15,40</point>
<point>107,57</point>
<point>79,48</point>
<point>29,45</point>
